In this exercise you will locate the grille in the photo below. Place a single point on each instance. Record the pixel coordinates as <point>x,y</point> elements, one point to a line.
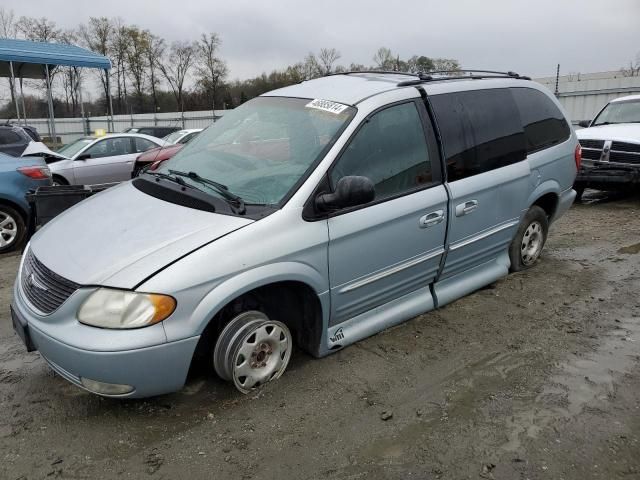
<point>591,154</point>
<point>623,157</point>
<point>592,144</point>
<point>626,147</point>
<point>44,289</point>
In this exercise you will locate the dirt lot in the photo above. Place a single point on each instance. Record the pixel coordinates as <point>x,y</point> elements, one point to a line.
<point>535,377</point>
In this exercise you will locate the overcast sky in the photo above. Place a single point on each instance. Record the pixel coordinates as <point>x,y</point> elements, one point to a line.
<point>530,37</point>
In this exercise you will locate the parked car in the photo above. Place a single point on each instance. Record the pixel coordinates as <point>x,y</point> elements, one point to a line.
<point>13,140</point>
<point>106,159</point>
<point>611,147</point>
<point>158,132</point>
<point>159,154</point>
<point>17,177</point>
<point>320,214</point>
<point>28,129</point>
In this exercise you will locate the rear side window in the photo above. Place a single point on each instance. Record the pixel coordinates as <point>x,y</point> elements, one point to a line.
<point>142,144</point>
<point>8,137</point>
<point>544,124</point>
<point>480,130</point>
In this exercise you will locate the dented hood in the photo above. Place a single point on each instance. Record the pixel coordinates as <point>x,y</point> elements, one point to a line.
<point>122,236</point>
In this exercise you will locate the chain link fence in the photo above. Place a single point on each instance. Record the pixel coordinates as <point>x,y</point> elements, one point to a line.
<point>70,129</point>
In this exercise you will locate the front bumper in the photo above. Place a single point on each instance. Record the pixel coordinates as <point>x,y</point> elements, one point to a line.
<point>607,176</point>
<point>150,369</point>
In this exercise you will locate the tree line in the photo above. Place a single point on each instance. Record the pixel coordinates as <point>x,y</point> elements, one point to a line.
<point>150,74</point>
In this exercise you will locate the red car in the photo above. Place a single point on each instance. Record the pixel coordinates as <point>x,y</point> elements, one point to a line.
<point>154,157</point>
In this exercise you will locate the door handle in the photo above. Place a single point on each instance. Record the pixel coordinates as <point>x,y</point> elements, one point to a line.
<point>431,219</point>
<point>466,208</point>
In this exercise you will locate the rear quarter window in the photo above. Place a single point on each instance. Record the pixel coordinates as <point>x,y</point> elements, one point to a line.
<point>543,122</point>
<point>480,130</point>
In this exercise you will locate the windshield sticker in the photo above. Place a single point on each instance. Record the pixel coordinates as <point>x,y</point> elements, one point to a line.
<point>327,106</point>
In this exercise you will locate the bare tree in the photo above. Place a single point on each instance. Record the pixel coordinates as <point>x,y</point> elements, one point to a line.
<point>70,76</point>
<point>9,29</point>
<point>154,53</point>
<point>384,59</point>
<point>119,46</point>
<point>634,68</point>
<point>136,61</point>
<point>210,68</point>
<point>96,36</point>
<point>176,68</point>
<point>38,29</point>
<point>326,58</point>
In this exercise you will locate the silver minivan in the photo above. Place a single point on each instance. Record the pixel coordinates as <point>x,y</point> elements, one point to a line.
<point>315,215</point>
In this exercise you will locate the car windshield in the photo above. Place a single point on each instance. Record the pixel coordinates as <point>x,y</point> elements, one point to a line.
<point>71,149</point>
<point>619,112</point>
<point>261,149</point>
<point>174,137</point>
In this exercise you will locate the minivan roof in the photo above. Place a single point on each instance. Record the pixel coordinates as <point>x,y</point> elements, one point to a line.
<point>353,88</point>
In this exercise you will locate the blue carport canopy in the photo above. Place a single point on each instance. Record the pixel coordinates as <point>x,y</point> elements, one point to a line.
<point>27,59</point>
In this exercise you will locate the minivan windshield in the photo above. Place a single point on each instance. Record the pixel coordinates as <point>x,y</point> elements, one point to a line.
<point>619,112</point>
<point>72,148</point>
<point>260,150</point>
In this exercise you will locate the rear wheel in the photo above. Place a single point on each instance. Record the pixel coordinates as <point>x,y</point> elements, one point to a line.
<point>527,245</point>
<point>252,350</point>
<point>58,180</point>
<point>12,229</point>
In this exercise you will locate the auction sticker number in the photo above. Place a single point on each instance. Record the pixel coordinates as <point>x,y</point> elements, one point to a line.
<point>327,106</point>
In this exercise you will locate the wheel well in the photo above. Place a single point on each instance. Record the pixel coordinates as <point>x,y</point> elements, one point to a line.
<point>16,207</point>
<point>293,303</point>
<point>548,202</point>
<point>60,178</point>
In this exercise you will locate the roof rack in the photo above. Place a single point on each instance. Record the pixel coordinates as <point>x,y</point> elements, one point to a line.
<point>385,72</point>
<point>447,75</point>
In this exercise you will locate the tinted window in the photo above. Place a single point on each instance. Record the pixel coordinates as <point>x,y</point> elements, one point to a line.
<point>391,150</point>
<point>480,131</point>
<point>8,137</point>
<point>142,144</point>
<point>111,147</point>
<point>544,124</point>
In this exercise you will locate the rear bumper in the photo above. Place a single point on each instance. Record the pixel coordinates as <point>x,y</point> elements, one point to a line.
<point>564,203</point>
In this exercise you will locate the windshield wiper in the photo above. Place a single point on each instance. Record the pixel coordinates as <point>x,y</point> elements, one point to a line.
<point>223,190</point>
<point>171,178</point>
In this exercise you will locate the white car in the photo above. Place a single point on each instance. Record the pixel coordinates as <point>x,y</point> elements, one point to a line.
<point>611,147</point>
<point>107,159</point>
<point>182,136</point>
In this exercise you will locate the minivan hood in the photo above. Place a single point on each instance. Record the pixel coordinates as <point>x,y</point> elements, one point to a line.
<point>622,132</point>
<point>121,236</point>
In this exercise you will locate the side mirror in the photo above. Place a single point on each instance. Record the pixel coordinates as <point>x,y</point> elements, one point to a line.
<point>584,123</point>
<point>350,192</point>
<point>84,156</point>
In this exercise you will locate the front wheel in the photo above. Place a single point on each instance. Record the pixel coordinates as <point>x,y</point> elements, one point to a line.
<point>252,350</point>
<point>527,245</point>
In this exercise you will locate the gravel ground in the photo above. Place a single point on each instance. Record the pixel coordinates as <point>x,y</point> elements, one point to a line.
<point>534,377</point>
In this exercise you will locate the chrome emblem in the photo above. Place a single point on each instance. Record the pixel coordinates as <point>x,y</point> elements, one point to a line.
<point>32,281</point>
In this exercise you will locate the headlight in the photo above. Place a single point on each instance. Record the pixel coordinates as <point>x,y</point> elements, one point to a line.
<point>110,308</point>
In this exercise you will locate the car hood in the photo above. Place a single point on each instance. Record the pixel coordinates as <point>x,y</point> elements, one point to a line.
<point>122,236</point>
<point>622,132</point>
<point>39,149</point>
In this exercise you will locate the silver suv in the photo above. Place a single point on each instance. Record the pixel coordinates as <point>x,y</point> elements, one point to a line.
<point>316,215</point>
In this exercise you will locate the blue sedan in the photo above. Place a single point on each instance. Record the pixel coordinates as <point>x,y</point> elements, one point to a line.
<point>18,175</point>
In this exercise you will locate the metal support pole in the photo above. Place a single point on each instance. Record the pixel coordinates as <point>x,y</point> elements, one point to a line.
<point>24,109</point>
<point>110,102</point>
<point>13,91</point>
<point>52,117</point>
<point>79,92</point>
<point>557,80</point>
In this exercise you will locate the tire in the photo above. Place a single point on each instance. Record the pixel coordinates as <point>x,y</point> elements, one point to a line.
<point>526,247</point>
<point>252,350</point>
<point>58,180</point>
<point>13,229</point>
<point>579,192</point>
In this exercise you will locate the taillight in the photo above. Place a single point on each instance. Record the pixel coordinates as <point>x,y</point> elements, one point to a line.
<point>578,156</point>
<point>37,173</point>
